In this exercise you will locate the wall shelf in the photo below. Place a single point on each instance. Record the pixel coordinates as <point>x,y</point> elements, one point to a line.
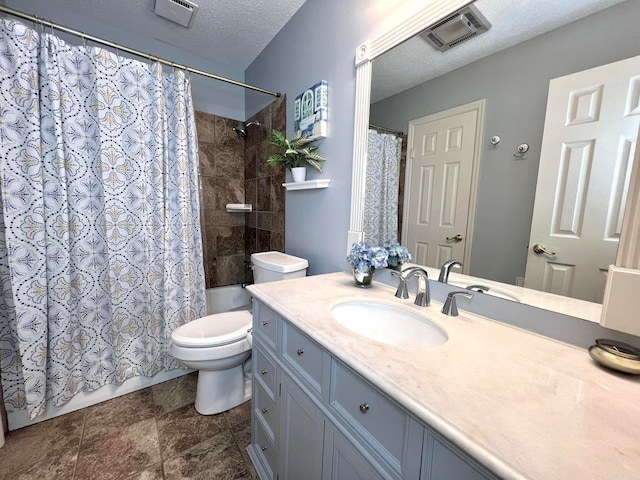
<point>308,184</point>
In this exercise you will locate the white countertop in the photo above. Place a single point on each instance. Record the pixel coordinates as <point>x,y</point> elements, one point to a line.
<point>523,405</point>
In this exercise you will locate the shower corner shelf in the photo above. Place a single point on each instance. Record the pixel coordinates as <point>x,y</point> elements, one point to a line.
<point>308,184</point>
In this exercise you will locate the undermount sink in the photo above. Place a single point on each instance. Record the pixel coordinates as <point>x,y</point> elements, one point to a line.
<point>389,324</point>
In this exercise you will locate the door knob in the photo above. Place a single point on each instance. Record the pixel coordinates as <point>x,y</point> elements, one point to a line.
<point>540,248</point>
<point>457,238</point>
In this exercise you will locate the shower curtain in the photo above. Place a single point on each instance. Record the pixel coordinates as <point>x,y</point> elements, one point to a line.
<point>100,246</point>
<point>381,191</point>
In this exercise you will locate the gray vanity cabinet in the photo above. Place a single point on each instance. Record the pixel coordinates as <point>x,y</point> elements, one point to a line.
<point>342,461</point>
<point>301,434</point>
<point>316,419</point>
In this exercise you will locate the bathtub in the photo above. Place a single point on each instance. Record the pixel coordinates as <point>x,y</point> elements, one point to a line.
<point>224,299</point>
<point>220,299</point>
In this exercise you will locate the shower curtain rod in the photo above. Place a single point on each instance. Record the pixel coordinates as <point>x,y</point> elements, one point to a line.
<point>62,28</point>
<point>385,129</point>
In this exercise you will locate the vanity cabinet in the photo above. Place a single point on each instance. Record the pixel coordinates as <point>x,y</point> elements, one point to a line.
<point>315,418</point>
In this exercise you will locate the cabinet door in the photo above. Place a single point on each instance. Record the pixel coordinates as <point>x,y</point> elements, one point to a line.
<point>301,434</point>
<point>342,461</point>
<point>440,462</point>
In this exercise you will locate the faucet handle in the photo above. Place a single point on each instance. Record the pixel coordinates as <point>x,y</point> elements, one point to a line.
<point>450,308</point>
<point>402,291</point>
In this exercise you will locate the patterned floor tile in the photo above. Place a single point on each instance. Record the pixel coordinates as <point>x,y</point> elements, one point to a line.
<point>217,457</point>
<point>151,434</point>
<point>119,453</point>
<point>184,428</point>
<point>175,393</point>
<point>119,412</point>
<point>51,445</point>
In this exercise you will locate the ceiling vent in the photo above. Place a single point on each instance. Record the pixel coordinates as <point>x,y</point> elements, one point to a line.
<point>456,28</point>
<point>181,12</point>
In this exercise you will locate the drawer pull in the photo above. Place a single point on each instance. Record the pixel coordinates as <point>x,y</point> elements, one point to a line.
<point>300,351</point>
<point>265,323</point>
<point>263,448</point>
<point>364,407</point>
<point>265,410</point>
<point>264,372</point>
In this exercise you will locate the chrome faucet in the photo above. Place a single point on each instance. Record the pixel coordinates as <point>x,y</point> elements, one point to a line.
<point>478,288</point>
<point>450,308</point>
<point>446,269</point>
<point>422,297</point>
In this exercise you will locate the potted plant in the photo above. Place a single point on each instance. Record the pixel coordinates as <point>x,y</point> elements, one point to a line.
<point>365,259</point>
<point>295,155</point>
<point>397,254</point>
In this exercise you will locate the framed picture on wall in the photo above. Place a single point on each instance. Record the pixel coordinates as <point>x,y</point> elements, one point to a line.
<point>310,110</point>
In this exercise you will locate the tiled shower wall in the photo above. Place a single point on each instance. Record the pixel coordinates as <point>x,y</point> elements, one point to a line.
<point>234,170</point>
<point>263,184</point>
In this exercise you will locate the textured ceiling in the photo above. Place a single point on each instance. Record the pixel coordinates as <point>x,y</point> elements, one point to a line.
<point>512,22</point>
<point>232,32</point>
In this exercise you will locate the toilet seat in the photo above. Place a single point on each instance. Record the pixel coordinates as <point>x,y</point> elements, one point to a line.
<point>214,330</point>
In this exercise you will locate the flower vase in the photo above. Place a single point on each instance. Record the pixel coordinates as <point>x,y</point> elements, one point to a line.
<point>397,268</point>
<point>363,279</point>
<point>299,174</point>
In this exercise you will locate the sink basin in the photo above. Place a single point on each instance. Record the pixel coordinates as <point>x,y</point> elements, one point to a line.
<point>389,324</point>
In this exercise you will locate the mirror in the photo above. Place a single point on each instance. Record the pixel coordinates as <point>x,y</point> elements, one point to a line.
<point>495,161</point>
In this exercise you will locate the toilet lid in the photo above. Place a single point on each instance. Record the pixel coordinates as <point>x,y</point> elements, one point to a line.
<point>214,330</point>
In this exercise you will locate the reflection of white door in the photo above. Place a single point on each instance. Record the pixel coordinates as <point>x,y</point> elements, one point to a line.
<point>588,143</point>
<point>440,185</point>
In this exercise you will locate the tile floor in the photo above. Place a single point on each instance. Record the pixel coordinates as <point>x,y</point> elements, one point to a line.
<point>151,434</point>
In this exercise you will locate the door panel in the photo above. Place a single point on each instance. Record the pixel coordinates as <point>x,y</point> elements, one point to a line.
<point>441,179</point>
<point>589,138</point>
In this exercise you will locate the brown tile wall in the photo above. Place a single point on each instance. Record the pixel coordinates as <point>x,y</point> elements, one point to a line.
<point>234,170</point>
<point>263,184</point>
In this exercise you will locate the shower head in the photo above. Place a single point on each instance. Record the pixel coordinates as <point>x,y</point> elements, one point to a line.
<point>242,130</point>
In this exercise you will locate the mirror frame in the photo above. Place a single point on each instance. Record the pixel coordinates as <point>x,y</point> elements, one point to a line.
<point>629,248</point>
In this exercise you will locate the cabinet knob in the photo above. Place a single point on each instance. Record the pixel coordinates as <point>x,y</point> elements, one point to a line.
<point>264,372</point>
<point>263,448</point>
<point>364,407</point>
<point>300,351</point>
<point>265,410</point>
<point>265,323</point>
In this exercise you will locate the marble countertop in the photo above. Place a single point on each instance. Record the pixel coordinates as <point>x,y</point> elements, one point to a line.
<point>523,405</point>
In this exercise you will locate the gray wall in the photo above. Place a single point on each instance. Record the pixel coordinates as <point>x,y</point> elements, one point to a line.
<point>210,96</point>
<point>515,83</point>
<point>319,43</point>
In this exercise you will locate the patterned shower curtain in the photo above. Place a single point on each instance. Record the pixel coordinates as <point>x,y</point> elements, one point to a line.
<point>381,191</point>
<point>100,246</point>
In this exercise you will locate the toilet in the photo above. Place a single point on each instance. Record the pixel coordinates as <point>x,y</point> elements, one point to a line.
<point>219,345</point>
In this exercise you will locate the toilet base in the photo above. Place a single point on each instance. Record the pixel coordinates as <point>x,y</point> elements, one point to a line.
<point>221,390</point>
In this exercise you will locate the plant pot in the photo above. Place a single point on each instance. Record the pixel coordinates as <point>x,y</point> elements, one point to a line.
<point>299,174</point>
<point>363,279</point>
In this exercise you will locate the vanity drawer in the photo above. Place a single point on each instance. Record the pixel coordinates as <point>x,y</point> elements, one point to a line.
<point>265,409</point>
<point>264,371</point>
<point>304,356</point>
<point>265,324</point>
<point>265,450</point>
<point>388,430</point>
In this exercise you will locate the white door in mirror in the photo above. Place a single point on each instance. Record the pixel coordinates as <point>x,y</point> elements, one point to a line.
<point>439,179</point>
<point>588,144</point>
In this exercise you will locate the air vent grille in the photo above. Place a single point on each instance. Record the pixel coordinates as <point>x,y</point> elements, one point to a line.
<point>456,28</point>
<point>181,12</point>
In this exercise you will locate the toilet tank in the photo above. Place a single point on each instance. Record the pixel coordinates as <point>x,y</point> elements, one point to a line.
<point>272,266</point>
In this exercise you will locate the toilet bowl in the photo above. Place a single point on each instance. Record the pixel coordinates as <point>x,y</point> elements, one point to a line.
<point>219,345</point>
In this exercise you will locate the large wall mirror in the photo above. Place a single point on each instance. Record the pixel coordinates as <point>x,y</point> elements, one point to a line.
<point>513,82</point>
